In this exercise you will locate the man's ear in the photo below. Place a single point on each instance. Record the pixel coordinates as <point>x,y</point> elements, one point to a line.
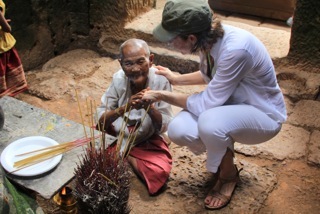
<point>193,39</point>
<point>151,58</point>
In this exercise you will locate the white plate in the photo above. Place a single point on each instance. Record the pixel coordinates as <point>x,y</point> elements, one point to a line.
<point>23,145</point>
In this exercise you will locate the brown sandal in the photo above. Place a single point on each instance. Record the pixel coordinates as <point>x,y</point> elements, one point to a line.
<point>223,198</point>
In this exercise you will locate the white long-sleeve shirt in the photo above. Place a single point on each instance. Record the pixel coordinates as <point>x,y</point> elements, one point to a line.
<point>118,94</point>
<point>244,74</point>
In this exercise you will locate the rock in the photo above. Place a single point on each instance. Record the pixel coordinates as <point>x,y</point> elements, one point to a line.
<point>314,148</point>
<point>306,114</point>
<point>290,143</point>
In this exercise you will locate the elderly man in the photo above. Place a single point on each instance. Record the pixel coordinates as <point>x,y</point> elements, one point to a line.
<point>149,157</point>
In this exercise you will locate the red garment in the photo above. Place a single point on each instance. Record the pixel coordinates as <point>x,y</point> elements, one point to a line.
<point>12,78</point>
<point>154,162</point>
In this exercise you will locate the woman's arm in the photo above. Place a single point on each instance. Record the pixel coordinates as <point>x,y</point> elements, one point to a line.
<point>194,78</point>
<point>172,98</point>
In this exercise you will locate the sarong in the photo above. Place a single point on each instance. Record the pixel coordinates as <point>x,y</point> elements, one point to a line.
<point>154,162</point>
<point>12,77</point>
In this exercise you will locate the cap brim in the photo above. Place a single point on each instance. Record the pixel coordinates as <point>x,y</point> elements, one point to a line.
<point>163,35</point>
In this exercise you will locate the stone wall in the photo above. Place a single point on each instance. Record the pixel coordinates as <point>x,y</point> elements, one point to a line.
<point>46,28</point>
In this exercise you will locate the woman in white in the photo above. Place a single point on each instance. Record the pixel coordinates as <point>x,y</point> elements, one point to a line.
<point>241,103</point>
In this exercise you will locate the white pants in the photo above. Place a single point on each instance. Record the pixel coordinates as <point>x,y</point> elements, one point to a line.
<point>218,128</point>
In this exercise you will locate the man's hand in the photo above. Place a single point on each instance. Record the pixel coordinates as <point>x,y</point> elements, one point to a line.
<point>136,101</point>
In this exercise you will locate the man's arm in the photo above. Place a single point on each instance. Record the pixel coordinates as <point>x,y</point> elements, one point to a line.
<point>109,116</point>
<point>161,112</point>
<point>155,116</point>
<point>109,111</point>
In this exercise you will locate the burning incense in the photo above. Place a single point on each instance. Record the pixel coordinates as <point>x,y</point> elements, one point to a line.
<point>102,182</point>
<point>102,177</point>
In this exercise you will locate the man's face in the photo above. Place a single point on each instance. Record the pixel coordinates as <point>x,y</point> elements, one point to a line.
<point>136,64</point>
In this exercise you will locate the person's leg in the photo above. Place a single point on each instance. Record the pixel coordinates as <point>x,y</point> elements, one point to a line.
<point>133,163</point>
<point>152,162</point>
<point>221,193</point>
<point>183,130</point>
<point>219,128</point>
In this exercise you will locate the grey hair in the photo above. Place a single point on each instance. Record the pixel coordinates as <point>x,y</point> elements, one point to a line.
<point>137,43</point>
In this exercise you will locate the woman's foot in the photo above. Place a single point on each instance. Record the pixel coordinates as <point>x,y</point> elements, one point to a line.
<point>220,195</point>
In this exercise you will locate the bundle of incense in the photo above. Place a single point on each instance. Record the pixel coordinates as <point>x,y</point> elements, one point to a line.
<point>132,136</point>
<point>52,151</point>
<point>49,152</point>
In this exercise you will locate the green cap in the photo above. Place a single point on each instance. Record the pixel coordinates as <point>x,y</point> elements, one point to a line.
<point>183,17</point>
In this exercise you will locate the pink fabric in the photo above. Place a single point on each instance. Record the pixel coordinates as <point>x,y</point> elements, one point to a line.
<point>154,162</point>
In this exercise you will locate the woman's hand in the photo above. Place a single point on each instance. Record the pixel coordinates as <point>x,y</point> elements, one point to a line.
<point>151,96</point>
<point>167,73</point>
<point>136,100</point>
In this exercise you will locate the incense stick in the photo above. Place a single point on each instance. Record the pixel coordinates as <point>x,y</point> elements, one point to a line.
<point>47,153</point>
<point>130,142</point>
<point>84,128</point>
<point>51,152</point>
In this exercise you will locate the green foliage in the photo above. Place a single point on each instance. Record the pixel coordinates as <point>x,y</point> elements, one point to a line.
<point>20,200</point>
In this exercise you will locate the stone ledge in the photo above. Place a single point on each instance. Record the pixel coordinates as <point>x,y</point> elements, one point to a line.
<point>290,143</point>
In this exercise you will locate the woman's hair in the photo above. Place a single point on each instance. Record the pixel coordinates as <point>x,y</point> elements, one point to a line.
<point>205,39</point>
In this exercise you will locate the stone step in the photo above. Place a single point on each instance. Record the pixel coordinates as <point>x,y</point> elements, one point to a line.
<point>163,55</point>
<point>174,60</point>
<point>270,33</point>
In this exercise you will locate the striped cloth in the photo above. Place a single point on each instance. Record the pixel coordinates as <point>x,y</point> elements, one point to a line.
<point>12,77</point>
